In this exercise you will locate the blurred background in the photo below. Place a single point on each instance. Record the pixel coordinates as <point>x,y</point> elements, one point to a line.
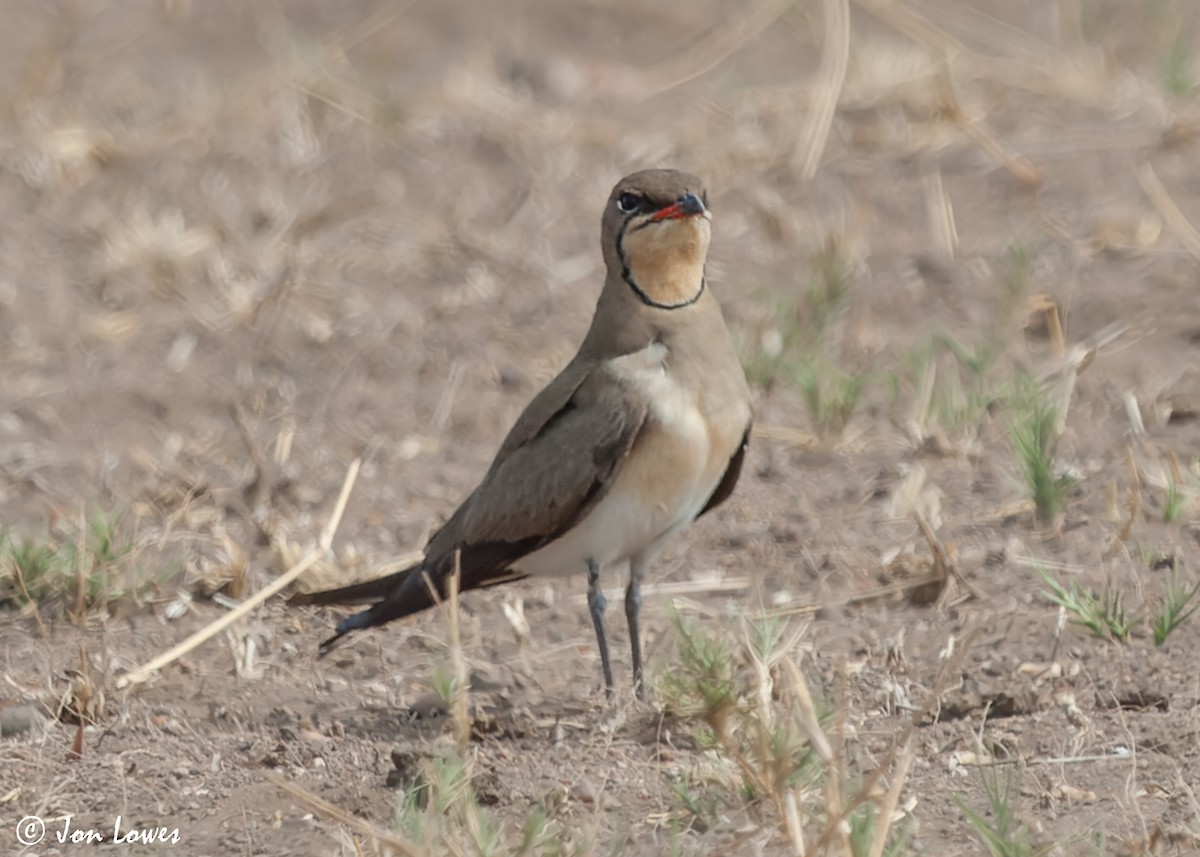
<point>243,243</point>
<point>334,213</point>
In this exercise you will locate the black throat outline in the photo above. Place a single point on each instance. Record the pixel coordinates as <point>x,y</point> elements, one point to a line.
<point>627,275</point>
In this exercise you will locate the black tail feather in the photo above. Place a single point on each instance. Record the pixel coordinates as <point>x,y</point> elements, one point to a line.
<point>344,627</point>
<point>406,592</point>
<point>355,593</point>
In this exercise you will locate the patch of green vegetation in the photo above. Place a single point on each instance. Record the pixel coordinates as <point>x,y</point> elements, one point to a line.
<point>798,352</point>
<point>1175,502</point>
<point>1018,269</point>
<point>864,833</point>
<point>1177,65</point>
<point>957,383</point>
<point>1104,614</point>
<point>830,394</point>
<point>1034,432</point>
<point>750,707</point>
<point>92,565</point>
<point>440,812</point>
<point>1173,609</point>
<point>998,828</point>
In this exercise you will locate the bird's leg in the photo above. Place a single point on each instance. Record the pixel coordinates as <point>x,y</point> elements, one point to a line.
<point>596,604</point>
<point>633,606</point>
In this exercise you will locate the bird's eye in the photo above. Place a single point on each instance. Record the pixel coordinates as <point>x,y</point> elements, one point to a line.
<point>628,202</point>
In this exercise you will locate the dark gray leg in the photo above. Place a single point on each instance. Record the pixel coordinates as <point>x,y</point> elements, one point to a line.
<point>633,606</point>
<point>596,604</point>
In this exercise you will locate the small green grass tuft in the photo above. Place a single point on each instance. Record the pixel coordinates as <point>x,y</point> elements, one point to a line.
<point>1175,502</point>
<point>1177,65</point>
<point>998,828</point>
<point>1034,433</point>
<point>1018,270</point>
<point>1173,609</point>
<point>91,566</point>
<point>796,350</point>
<point>958,383</point>
<point>1104,614</point>
<point>747,701</point>
<point>830,394</point>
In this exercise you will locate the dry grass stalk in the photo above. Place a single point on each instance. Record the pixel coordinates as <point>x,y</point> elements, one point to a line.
<point>81,568</point>
<point>1049,306</point>
<point>952,667</point>
<point>322,547</point>
<point>712,50</point>
<point>459,705</point>
<point>878,592</point>
<point>944,567</point>
<point>1135,497</point>
<point>325,808</point>
<point>1168,209</point>
<point>999,37</point>
<point>887,809</point>
<point>974,129</point>
<point>790,436</point>
<point>918,28</point>
<point>933,37</point>
<point>941,217</point>
<point>374,23</point>
<point>1133,413</point>
<point>830,78</point>
<point>260,488</point>
<point>677,588</point>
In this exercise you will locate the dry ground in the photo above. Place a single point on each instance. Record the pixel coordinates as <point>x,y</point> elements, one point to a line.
<point>370,230</point>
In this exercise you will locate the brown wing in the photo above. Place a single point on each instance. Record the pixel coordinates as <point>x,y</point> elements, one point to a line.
<point>732,473</point>
<point>542,484</point>
<point>553,468</point>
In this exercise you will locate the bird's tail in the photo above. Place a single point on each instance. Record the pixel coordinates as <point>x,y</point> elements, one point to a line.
<point>355,593</point>
<point>396,595</point>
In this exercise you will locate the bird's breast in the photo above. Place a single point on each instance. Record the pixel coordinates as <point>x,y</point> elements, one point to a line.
<point>672,470</point>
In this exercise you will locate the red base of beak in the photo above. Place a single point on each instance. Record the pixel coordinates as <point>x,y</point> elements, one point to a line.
<point>671,212</point>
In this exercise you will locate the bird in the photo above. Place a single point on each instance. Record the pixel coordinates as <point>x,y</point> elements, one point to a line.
<point>642,432</point>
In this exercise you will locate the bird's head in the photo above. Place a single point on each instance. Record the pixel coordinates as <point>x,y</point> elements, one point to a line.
<point>656,230</point>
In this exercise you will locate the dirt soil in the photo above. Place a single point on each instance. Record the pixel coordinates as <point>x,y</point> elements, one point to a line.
<point>370,230</point>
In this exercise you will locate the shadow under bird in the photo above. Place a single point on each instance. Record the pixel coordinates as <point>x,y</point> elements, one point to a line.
<point>643,431</point>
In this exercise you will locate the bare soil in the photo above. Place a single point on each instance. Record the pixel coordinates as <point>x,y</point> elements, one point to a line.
<point>372,231</point>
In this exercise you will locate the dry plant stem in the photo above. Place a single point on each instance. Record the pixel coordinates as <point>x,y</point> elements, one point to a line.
<point>941,216</point>
<point>144,672</point>
<point>1058,344</point>
<point>788,435</point>
<point>792,821</point>
<point>831,77</point>
<point>1176,470</point>
<point>1135,497</point>
<point>942,564</point>
<point>80,573</point>
<point>891,800</point>
<point>370,26</point>
<point>918,28</point>
<point>977,133</point>
<point>325,808</point>
<point>952,667</point>
<point>856,598</point>
<point>1170,212</point>
<point>713,49</point>
<point>262,474</point>
<point>462,720</point>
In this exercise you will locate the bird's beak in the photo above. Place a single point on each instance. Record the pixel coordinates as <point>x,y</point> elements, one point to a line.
<point>687,205</point>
